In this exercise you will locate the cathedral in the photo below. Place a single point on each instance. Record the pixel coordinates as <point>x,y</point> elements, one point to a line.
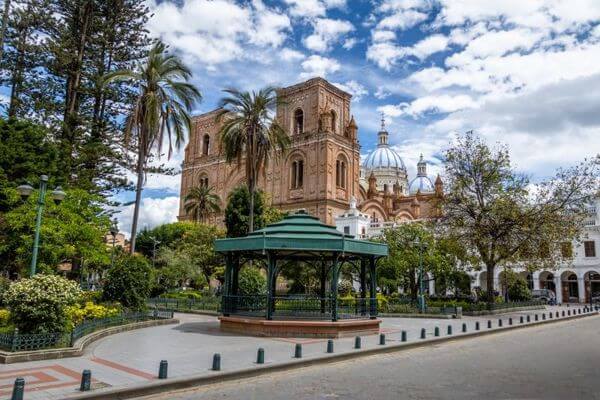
<point>321,172</point>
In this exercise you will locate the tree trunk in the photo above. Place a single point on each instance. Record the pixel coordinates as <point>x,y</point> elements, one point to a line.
<point>138,198</point>
<point>17,74</point>
<point>490,283</point>
<point>251,187</point>
<point>4,25</point>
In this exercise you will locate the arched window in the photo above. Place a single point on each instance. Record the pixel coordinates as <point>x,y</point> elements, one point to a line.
<point>205,145</point>
<point>298,121</point>
<point>341,173</point>
<point>333,121</point>
<point>297,174</point>
<point>203,181</point>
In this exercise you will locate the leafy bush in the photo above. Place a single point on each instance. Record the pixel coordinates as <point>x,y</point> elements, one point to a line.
<point>251,281</point>
<point>38,304</point>
<point>4,317</point>
<point>518,290</point>
<point>4,285</point>
<point>76,314</point>
<point>345,288</point>
<point>128,282</point>
<point>185,294</point>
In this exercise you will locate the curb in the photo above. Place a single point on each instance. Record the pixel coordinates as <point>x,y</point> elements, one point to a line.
<point>190,381</point>
<point>8,357</point>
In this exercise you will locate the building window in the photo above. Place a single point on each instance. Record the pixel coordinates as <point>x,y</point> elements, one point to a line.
<point>297,174</point>
<point>347,230</point>
<point>333,121</point>
<point>204,181</point>
<point>341,173</point>
<point>589,247</point>
<point>298,121</point>
<point>205,145</point>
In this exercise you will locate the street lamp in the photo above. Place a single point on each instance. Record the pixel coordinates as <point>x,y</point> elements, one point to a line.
<point>57,195</point>
<point>114,230</point>
<point>421,246</point>
<point>154,243</point>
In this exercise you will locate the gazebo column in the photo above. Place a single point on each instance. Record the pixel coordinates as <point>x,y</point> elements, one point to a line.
<point>323,276</point>
<point>271,265</point>
<point>373,301</point>
<point>226,301</point>
<point>235,276</point>
<point>334,288</point>
<point>363,286</point>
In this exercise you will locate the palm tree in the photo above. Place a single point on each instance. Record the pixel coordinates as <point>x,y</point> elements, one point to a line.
<point>160,111</point>
<point>201,201</point>
<point>250,134</point>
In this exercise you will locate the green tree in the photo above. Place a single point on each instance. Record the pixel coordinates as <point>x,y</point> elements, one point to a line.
<point>71,232</point>
<point>501,217</point>
<point>160,111</point>
<point>251,281</point>
<point>129,281</point>
<point>166,235</point>
<point>201,201</point>
<point>250,135</point>
<point>237,212</point>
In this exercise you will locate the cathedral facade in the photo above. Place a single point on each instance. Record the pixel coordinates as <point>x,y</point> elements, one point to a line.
<point>321,172</point>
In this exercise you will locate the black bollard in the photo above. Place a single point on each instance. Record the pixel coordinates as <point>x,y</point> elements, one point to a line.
<point>510,321</point>
<point>357,342</point>
<point>423,333</point>
<point>18,389</point>
<point>500,323</point>
<point>528,318</point>
<point>449,331</point>
<point>535,317</point>
<point>477,325</point>
<point>436,331</point>
<point>298,351</point>
<point>162,369</point>
<point>330,346</point>
<point>403,336</point>
<point>382,339</point>
<point>563,313</point>
<point>569,313</point>
<point>521,319</point>
<point>557,314</point>
<point>260,356</point>
<point>464,327</point>
<point>216,366</point>
<point>489,324</point>
<point>550,315</point>
<point>86,380</point>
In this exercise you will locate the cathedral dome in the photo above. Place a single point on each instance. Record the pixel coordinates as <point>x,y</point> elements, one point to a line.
<point>421,183</point>
<point>383,157</point>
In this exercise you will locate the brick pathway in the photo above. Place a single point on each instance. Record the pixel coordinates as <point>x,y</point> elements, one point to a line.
<point>134,356</point>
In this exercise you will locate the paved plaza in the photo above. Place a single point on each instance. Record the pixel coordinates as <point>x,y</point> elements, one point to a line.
<point>558,361</point>
<point>133,357</point>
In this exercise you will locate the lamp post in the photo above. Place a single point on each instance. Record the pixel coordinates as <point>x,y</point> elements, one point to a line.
<point>114,229</point>
<point>57,195</point>
<point>154,243</point>
<point>421,246</point>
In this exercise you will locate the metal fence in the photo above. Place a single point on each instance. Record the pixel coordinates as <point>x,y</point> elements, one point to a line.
<point>207,303</point>
<point>17,341</point>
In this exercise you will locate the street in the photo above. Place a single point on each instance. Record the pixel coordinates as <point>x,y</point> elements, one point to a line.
<point>555,361</point>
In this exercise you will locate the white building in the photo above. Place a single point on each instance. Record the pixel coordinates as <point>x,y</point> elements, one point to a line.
<point>571,282</point>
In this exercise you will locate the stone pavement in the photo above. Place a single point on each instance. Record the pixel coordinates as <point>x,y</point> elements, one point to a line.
<point>134,356</point>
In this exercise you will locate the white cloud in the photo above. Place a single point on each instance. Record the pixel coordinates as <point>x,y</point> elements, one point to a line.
<point>153,212</point>
<point>354,88</point>
<point>402,20</point>
<point>316,65</point>
<point>313,8</point>
<point>383,36</point>
<point>435,103</point>
<point>217,31</point>
<point>350,43</point>
<point>291,55</point>
<point>326,32</point>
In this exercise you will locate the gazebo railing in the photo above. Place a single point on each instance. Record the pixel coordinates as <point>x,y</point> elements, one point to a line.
<point>299,307</point>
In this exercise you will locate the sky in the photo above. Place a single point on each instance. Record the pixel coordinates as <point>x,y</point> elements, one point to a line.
<point>525,73</point>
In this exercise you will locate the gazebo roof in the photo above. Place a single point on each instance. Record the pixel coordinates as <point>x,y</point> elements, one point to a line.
<point>301,233</point>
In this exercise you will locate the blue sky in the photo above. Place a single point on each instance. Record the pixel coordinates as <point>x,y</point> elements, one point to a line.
<point>524,73</point>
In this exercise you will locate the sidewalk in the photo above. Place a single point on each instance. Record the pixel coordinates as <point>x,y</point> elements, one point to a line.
<point>134,356</point>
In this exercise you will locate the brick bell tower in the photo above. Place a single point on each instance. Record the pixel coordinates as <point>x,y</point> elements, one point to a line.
<point>320,172</point>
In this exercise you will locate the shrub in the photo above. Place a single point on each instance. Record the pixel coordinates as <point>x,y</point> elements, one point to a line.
<point>76,314</point>
<point>518,290</point>
<point>4,285</point>
<point>4,317</point>
<point>38,304</point>
<point>128,282</point>
<point>345,288</point>
<point>251,281</point>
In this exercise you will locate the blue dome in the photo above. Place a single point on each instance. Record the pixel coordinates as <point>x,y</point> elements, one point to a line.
<point>383,158</point>
<point>422,184</point>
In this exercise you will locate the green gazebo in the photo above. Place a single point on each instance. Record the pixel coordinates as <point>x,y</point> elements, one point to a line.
<point>300,241</point>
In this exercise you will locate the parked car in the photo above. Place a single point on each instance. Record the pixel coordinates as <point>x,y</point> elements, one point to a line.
<point>546,295</point>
